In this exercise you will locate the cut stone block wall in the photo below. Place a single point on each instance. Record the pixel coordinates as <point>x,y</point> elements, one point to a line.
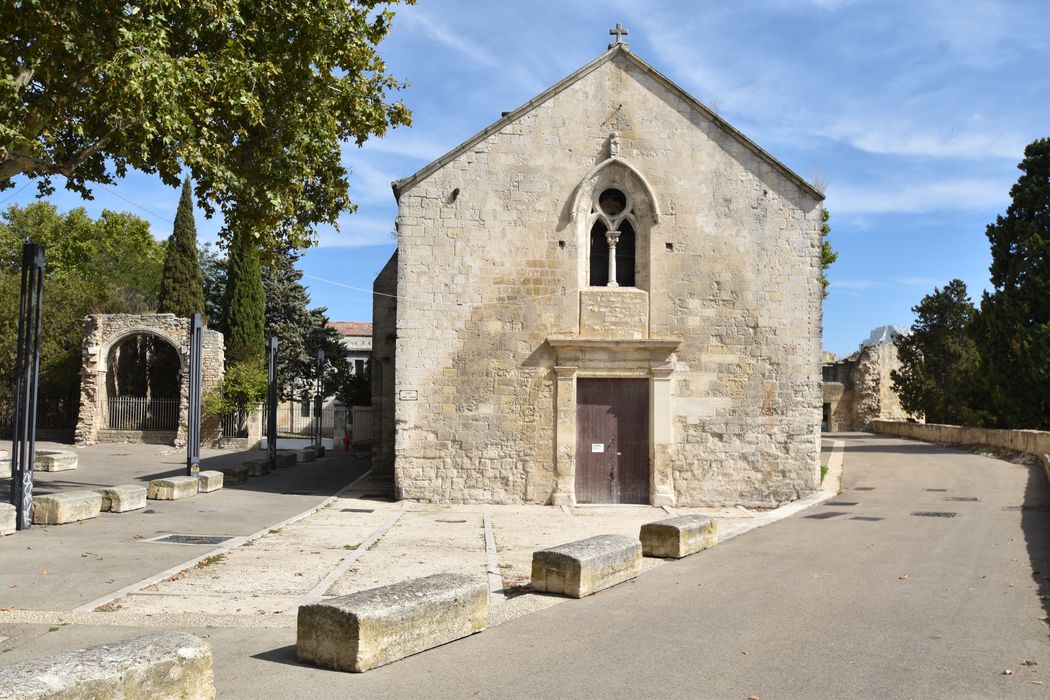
<point>492,264</point>
<point>103,331</point>
<point>859,389</point>
<point>1033,442</point>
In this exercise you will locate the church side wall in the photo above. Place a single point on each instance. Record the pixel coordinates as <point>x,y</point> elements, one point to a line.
<point>489,267</point>
<point>384,332</point>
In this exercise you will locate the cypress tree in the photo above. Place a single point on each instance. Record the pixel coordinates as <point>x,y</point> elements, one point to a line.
<point>182,286</point>
<point>1014,328</point>
<point>245,303</point>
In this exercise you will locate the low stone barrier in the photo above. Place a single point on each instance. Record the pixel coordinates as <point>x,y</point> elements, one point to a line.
<point>168,665</point>
<point>234,475</point>
<point>8,519</point>
<point>172,488</point>
<point>307,454</point>
<point>1033,442</point>
<point>55,461</point>
<point>257,467</point>
<point>371,628</point>
<point>209,480</point>
<point>287,458</point>
<point>66,507</point>
<point>121,499</point>
<point>679,537</point>
<point>581,568</point>
<point>5,467</point>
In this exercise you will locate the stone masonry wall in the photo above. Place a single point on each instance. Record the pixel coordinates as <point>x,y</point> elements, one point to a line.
<point>384,333</point>
<point>103,331</point>
<point>492,259</point>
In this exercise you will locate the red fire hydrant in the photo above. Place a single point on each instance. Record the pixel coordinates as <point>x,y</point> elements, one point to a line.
<point>346,442</point>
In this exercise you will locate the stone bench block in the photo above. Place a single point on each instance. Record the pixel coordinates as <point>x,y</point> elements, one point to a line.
<point>167,665</point>
<point>121,499</point>
<point>288,458</point>
<point>581,568</point>
<point>209,480</point>
<point>257,467</point>
<point>67,507</point>
<point>234,475</point>
<point>5,468</point>
<point>679,537</point>
<point>172,488</point>
<point>55,461</point>
<point>8,519</point>
<point>371,628</point>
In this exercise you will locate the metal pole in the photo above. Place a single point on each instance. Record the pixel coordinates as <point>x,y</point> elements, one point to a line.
<point>271,405</point>
<point>193,412</point>
<point>319,403</point>
<point>27,366</point>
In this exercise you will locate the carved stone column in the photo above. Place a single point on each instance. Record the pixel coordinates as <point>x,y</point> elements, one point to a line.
<point>613,238</point>
<point>662,437</point>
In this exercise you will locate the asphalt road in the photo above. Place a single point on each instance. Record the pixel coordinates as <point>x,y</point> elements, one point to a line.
<point>864,600</point>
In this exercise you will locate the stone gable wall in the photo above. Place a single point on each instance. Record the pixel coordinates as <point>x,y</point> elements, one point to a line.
<point>103,331</point>
<point>491,261</point>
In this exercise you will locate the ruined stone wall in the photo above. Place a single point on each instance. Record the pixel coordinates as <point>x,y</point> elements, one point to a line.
<point>492,260</point>
<point>860,390</point>
<point>103,331</point>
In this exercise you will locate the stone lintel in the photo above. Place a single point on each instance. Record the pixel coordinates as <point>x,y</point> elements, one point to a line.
<point>371,628</point>
<point>172,488</point>
<point>166,665</point>
<point>122,498</point>
<point>667,345</point>
<point>578,569</point>
<point>678,537</point>
<point>66,507</point>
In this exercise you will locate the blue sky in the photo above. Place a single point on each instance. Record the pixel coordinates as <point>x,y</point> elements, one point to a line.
<point>913,114</point>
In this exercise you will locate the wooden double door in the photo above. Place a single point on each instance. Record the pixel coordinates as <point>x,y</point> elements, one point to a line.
<point>612,441</point>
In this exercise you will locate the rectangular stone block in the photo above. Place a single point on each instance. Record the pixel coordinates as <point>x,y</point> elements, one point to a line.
<point>8,519</point>
<point>67,507</point>
<point>234,475</point>
<point>54,461</point>
<point>287,458</point>
<point>167,665</point>
<point>257,467</point>
<point>121,499</point>
<point>371,628</point>
<point>209,480</point>
<point>679,537</point>
<point>581,568</point>
<point>5,468</point>
<point>307,454</point>
<point>172,488</point>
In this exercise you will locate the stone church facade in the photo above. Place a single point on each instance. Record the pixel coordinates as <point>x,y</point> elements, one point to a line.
<point>608,295</point>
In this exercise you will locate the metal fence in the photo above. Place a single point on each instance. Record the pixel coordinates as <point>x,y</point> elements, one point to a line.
<point>298,419</point>
<point>234,425</point>
<point>141,413</point>
<point>51,414</point>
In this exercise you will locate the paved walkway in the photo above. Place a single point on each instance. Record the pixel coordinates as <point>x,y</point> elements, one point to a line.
<point>856,597</point>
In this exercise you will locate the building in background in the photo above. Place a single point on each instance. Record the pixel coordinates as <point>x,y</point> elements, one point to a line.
<point>356,337</point>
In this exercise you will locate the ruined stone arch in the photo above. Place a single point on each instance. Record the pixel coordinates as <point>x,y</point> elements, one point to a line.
<point>105,333</point>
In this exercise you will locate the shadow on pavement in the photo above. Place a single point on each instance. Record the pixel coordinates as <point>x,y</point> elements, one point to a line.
<point>1035,523</point>
<point>283,655</point>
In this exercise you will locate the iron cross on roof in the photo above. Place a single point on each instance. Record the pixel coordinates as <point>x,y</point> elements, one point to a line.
<point>619,32</point>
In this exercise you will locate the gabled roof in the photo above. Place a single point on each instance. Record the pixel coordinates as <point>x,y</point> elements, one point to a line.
<point>616,49</point>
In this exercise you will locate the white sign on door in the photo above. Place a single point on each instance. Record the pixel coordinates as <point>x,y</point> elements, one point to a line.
<point>597,447</point>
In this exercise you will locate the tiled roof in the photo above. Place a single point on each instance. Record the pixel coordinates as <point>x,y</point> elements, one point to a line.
<point>355,328</point>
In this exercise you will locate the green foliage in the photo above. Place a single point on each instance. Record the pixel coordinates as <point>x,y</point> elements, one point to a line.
<point>1014,329</point>
<point>254,98</point>
<point>940,374</point>
<point>351,389</point>
<point>107,265</point>
<point>827,255</point>
<point>244,307</point>
<point>300,331</point>
<point>243,386</point>
<point>182,287</point>
<point>213,270</point>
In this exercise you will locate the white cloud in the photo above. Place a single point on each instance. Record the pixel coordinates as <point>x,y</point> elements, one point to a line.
<point>911,198</point>
<point>356,232</point>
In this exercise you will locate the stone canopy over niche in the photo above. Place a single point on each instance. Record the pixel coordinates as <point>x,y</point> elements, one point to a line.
<point>140,355</point>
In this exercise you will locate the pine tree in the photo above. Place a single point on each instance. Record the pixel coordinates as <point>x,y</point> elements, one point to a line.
<point>938,377</point>
<point>182,287</point>
<point>1015,317</point>
<point>244,315</point>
